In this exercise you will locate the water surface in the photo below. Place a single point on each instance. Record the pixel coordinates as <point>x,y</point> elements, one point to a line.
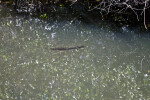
<point>111,66</point>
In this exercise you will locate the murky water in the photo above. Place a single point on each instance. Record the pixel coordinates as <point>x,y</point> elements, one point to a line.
<point>111,66</point>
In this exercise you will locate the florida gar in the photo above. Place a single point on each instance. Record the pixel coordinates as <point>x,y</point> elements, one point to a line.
<point>67,48</point>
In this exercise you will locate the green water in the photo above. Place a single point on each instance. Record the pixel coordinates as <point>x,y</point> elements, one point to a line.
<point>111,66</point>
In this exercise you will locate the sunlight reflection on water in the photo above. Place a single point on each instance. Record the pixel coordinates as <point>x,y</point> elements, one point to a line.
<point>108,67</point>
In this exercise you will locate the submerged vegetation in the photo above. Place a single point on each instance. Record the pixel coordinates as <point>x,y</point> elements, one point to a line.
<point>108,68</point>
<point>66,50</point>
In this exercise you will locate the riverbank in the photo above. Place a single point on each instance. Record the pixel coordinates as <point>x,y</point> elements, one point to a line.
<point>82,11</point>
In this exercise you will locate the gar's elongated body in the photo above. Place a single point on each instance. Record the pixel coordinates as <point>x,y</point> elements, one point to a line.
<point>65,48</point>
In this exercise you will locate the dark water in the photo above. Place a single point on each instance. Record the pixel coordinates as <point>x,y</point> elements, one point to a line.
<point>111,66</point>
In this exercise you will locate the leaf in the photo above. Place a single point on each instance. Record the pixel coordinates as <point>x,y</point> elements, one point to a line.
<point>8,23</point>
<point>46,91</point>
<point>44,15</point>
<point>4,56</point>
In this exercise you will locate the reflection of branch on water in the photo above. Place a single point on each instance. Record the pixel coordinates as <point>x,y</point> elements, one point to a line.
<point>65,48</point>
<point>142,62</point>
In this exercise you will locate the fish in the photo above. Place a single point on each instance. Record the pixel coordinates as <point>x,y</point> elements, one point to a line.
<point>67,48</point>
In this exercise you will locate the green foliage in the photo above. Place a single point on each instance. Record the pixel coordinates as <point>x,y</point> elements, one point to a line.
<point>43,15</point>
